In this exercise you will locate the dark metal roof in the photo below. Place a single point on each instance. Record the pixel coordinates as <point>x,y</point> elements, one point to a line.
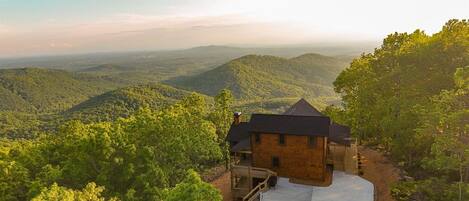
<point>290,124</point>
<point>339,134</point>
<point>302,108</point>
<point>300,119</point>
<point>238,132</point>
<point>243,145</point>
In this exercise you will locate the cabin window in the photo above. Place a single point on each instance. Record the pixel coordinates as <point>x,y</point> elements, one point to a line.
<point>275,162</point>
<point>312,141</point>
<point>258,138</point>
<point>281,139</point>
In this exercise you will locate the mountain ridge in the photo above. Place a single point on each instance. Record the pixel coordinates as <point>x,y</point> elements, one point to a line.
<point>266,76</point>
<point>125,101</point>
<point>47,90</point>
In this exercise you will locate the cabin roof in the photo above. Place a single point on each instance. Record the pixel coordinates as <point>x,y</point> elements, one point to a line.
<point>302,108</point>
<point>238,132</point>
<point>300,119</point>
<point>290,124</point>
<point>339,134</point>
<point>243,145</point>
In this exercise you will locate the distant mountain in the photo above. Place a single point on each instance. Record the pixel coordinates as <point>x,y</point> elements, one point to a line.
<point>45,90</point>
<point>260,77</point>
<point>169,64</point>
<point>323,68</point>
<point>125,101</point>
<point>108,68</point>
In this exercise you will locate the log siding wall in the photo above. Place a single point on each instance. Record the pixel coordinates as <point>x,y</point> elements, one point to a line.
<point>296,157</point>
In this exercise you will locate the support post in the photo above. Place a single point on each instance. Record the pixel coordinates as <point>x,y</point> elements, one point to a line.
<point>250,178</point>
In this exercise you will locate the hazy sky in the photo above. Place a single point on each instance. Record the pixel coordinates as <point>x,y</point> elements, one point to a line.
<point>29,27</point>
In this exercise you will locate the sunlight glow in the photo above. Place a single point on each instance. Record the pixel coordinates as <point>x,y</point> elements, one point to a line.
<point>31,27</point>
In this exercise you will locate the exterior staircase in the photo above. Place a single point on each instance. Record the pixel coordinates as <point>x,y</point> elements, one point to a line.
<point>243,177</point>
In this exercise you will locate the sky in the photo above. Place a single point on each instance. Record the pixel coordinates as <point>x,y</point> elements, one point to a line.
<point>39,27</point>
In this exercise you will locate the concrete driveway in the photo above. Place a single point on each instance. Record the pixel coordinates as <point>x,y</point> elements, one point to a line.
<point>344,187</point>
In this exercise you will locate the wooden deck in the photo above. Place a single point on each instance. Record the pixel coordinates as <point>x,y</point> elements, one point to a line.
<point>243,178</point>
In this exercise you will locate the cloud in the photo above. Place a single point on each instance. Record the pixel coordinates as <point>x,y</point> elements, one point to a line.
<point>4,29</point>
<point>125,31</point>
<point>135,22</point>
<point>60,45</point>
<point>129,31</point>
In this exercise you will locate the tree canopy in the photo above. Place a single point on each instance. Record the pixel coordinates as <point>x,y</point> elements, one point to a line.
<point>132,158</point>
<point>410,98</point>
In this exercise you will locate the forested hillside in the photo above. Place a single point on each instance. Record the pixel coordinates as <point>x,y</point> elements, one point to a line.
<point>124,102</point>
<point>129,75</point>
<point>36,100</point>
<point>262,77</point>
<point>44,90</point>
<point>410,98</point>
<point>107,68</point>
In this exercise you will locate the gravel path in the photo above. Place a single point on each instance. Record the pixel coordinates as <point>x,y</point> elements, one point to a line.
<point>223,184</point>
<point>380,171</point>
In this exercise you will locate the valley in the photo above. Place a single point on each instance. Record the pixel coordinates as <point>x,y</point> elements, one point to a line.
<point>45,97</point>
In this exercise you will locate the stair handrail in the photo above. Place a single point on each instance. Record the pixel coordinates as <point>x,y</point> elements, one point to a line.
<point>261,187</point>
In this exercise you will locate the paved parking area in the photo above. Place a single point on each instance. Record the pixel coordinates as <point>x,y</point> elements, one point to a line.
<point>344,187</point>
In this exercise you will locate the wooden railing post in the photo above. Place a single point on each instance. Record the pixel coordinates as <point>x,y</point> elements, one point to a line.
<point>250,178</point>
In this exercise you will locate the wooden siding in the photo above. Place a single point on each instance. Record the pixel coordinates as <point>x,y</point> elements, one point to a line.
<point>344,158</point>
<point>297,159</point>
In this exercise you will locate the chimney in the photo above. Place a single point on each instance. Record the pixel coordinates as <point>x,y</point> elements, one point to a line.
<point>237,118</point>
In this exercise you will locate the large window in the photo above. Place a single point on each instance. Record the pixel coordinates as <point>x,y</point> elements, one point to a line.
<point>312,141</point>
<point>275,162</point>
<point>281,139</point>
<point>258,138</point>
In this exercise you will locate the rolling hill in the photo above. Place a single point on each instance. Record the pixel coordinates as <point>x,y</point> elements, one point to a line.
<point>261,77</point>
<point>107,68</point>
<point>125,101</point>
<point>44,90</point>
<point>202,56</point>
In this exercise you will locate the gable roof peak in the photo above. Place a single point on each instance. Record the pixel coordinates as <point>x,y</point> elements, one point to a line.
<point>302,108</point>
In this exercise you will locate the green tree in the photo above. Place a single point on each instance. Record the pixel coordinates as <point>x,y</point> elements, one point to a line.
<point>192,188</point>
<point>409,98</point>
<point>14,180</point>
<point>57,193</point>
<point>336,113</point>
<point>450,151</point>
<point>222,117</point>
<point>384,91</point>
<point>135,158</point>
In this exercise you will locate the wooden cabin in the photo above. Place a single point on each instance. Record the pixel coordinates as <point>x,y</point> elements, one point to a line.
<point>301,144</point>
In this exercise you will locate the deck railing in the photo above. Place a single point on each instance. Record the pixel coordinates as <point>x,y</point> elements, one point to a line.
<point>254,194</point>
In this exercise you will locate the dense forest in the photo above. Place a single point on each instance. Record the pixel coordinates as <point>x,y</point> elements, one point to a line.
<point>125,101</point>
<point>151,155</point>
<point>44,90</point>
<point>410,98</point>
